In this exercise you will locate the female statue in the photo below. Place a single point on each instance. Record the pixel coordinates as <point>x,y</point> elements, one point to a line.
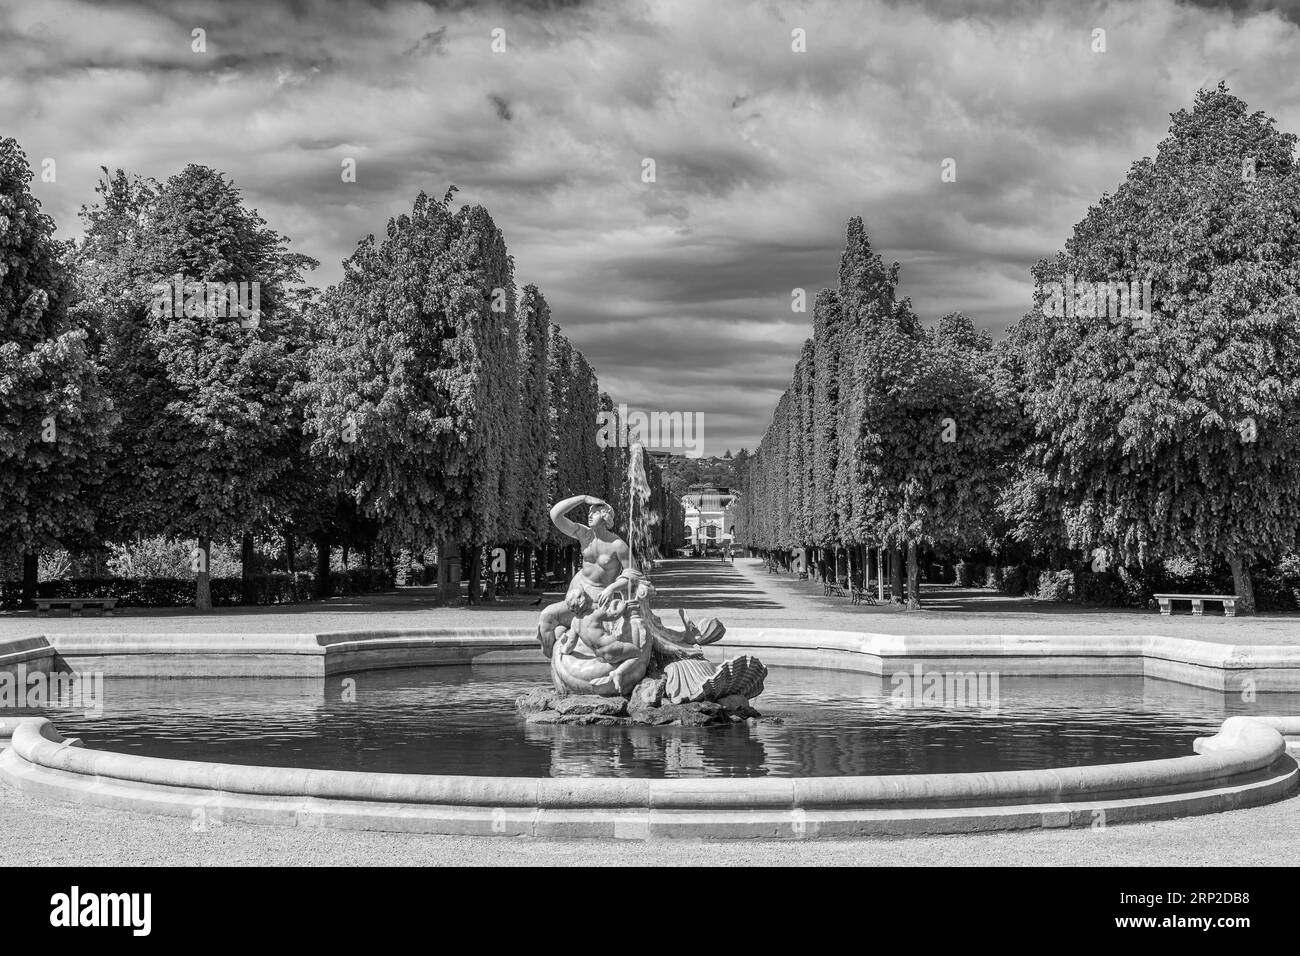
<point>604,557</point>
<point>604,637</point>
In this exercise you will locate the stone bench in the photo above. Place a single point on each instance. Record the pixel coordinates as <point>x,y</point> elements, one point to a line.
<point>1198,602</point>
<point>75,605</point>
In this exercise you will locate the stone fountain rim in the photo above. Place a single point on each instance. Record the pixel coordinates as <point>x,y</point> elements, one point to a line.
<point>1246,763</point>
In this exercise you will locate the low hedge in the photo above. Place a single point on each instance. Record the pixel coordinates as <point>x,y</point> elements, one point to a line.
<point>274,588</point>
<point>362,581</point>
<point>1275,588</point>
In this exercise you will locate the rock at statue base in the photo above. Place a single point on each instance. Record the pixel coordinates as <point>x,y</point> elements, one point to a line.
<point>737,707</point>
<point>648,693</point>
<point>579,704</point>
<point>577,720</point>
<point>648,707</point>
<point>536,701</point>
<point>696,679</point>
<point>696,714</point>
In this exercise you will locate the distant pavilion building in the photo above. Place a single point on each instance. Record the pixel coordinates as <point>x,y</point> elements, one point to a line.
<point>710,516</point>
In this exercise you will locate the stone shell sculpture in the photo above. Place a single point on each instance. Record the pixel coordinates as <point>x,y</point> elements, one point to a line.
<point>695,679</point>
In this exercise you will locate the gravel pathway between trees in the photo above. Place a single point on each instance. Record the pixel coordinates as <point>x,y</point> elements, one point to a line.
<point>742,595</point>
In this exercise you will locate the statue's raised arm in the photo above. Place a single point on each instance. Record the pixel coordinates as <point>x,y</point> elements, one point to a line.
<point>560,511</point>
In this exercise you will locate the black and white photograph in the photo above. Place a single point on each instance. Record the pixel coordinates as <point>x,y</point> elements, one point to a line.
<point>725,434</point>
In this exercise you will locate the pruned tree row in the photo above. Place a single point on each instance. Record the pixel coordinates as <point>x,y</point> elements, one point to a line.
<point>1144,407</point>
<point>171,374</point>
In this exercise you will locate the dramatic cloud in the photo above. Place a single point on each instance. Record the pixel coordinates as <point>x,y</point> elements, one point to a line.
<point>679,290</point>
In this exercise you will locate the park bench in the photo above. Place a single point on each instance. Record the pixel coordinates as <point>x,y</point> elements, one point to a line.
<point>74,605</point>
<point>1198,602</point>
<point>832,589</point>
<point>861,596</point>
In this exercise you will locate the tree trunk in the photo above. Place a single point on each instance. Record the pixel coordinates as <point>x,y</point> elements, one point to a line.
<point>896,575</point>
<point>511,567</point>
<point>528,568</point>
<point>450,570</point>
<point>247,592</point>
<point>880,573</point>
<point>490,586</point>
<point>31,569</point>
<point>203,586</point>
<point>470,553</point>
<point>1241,583</point>
<point>322,583</point>
<point>913,578</point>
<point>290,553</point>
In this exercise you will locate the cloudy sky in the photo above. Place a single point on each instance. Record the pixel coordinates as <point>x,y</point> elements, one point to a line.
<point>678,291</point>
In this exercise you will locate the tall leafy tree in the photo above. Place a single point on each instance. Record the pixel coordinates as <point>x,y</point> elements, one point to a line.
<point>534,334</point>
<point>114,300</point>
<point>583,408</point>
<point>933,439</point>
<point>575,463</point>
<point>414,378</point>
<point>800,460</point>
<point>207,429</point>
<point>563,438</point>
<point>477,279</point>
<point>54,413</point>
<point>1179,433</point>
<point>824,529</point>
<point>867,303</point>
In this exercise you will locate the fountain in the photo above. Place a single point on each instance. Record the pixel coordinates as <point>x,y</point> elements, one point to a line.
<point>844,756</point>
<point>613,660</point>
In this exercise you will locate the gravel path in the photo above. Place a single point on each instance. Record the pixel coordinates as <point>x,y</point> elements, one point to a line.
<point>742,595</point>
<point>39,832</point>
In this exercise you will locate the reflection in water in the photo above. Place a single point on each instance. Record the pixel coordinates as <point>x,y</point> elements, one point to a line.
<point>461,720</point>
<point>735,751</point>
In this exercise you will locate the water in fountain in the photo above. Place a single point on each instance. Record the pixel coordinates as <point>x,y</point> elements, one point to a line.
<point>638,494</point>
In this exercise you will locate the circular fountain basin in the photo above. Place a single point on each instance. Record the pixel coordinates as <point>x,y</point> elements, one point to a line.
<point>844,761</point>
